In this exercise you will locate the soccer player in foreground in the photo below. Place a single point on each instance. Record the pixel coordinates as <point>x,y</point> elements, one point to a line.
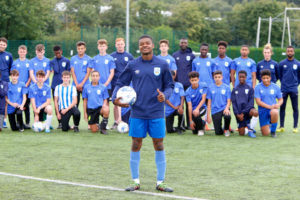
<point>242,98</point>
<point>266,94</point>
<point>152,81</point>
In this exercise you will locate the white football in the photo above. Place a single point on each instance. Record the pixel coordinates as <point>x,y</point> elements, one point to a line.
<point>38,126</point>
<point>128,95</point>
<point>123,127</point>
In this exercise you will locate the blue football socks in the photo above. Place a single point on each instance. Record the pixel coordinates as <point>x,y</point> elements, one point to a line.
<point>134,164</point>
<point>160,160</point>
<point>273,127</point>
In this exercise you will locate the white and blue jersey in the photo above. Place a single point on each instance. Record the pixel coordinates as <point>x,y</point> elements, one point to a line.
<point>65,95</point>
<point>175,98</point>
<point>246,64</point>
<point>40,95</point>
<point>36,64</point>
<point>15,94</point>
<point>205,67</point>
<point>58,66</point>
<point>95,95</point>
<point>170,60</point>
<point>289,75</point>
<point>103,64</point>
<point>270,65</point>
<point>147,76</point>
<point>224,65</point>
<point>22,66</point>
<point>80,66</point>
<point>268,95</point>
<point>121,60</point>
<point>195,95</point>
<point>6,61</point>
<point>219,96</point>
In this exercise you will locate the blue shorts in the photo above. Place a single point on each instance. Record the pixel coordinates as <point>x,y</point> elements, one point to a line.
<point>264,118</point>
<point>155,127</point>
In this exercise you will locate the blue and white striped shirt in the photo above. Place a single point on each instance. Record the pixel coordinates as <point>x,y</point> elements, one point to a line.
<point>65,95</point>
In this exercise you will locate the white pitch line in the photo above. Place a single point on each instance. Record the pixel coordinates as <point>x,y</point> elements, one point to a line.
<point>96,186</point>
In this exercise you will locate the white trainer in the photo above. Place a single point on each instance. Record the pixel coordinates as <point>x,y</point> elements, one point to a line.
<point>200,133</point>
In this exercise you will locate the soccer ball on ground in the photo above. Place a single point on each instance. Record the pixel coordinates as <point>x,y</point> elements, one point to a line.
<point>123,127</point>
<point>128,95</point>
<point>38,127</point>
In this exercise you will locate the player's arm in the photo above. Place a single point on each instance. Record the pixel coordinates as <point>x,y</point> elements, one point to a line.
<point>234,103</point>
<point>253,79</point>
<point>201,102</point>
<point>262,104</point>
<point>190,110</point>
<point>88,71</point>
<point>232,76</point>
<point>56,107</point>
<point>85,109</point>
<point>23,102</point>
<point>44,105</point>
<point>279,103</point>
<point>180,109</point>
<point>28,82</point>
<point>15,105</point>
<point>74,76</point>
<point>209,111</point>
<point>227,108</point>
<point>31,74</point>
<point>47,75</point>
<point>35,109</point>
<point>110,77</point>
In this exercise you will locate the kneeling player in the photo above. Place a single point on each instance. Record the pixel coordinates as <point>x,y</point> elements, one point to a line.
<point>65,100</point>
<point>40,98</point>
<point>196,97</point>
<point>242,98</point>
<point>218,104</point>
<point>266,94</point>
<point>95,97</point>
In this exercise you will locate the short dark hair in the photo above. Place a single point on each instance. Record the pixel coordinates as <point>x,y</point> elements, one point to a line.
<point>56,48</point>
<point>39,47</point>
<point>14,72</point>
<point>95,71</point>
<point>80,43</point>
<point>173,73</point>
<point>243,72</point>
<point>193,74</point>
<point>218,72</point>
<point>204,45</point>
<point>40,73</point>
<point>245,45</point>
<point>164,41</point>
<point>222,43</point>
<point>146,36</point>
<point>290,47</point>
<point>265,72</point>
<point>3,39</point>
<point>66,73</point>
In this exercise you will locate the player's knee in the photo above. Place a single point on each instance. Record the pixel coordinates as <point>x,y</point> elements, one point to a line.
<point>254,112</point>
<point>136,145</point>
<point>49,110</point>
<point>274,112</point>
<point>105,111</point>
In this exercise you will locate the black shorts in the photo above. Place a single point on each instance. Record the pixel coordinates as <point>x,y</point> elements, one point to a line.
<point>110,91</point>
<point>245,122</point>
<point>42,115</point>
<point>93,115</point>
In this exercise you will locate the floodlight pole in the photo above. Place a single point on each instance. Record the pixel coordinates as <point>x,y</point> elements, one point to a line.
<point>127,25</point>
<point>258,32</point>
<point>270,29</point>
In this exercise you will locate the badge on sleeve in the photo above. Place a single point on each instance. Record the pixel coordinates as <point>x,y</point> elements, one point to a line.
<point>63,64</point>
<point>188,58</point>
<point>156,71</point>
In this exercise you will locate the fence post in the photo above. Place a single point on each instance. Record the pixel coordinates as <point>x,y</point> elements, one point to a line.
<point>81,33</point>
<point>173,41</point>
<point>45,43</point>
<point>98,32</point>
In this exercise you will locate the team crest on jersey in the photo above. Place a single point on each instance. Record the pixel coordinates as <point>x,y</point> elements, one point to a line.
<point>44,64</point>
<point>272,66</point>
<point>89,91</point>
<point>248,64</point>
<point>238,63</point>
<point>27,65</point>
<point>198,63</point>
<point>176,90</point>
<point>261,91</point>
<point>226,64</point>
<point>106,61</point>
<point>156,71</point>
<point>213,92</point>
<point>137,71</point>
<point>115,59</point>
<point>98,92</point>
<point>126,58</point>
<point>193,96</point>
<point>63,64</point>
<point>35,64</point>
<point>44,93</point>
<point>177,58</point>
<point>261,66</point>
<point>271,91</point>
<point>6,57</point>
<point>246,91</point>
<point>294,66</point>
<point>84,62</point>
<point>284,66</point>
<point>208,64</point>
<point>188,58</point>
<point>75,62</point>
<point>1,86</point>
<point>19,89</point>
<point>18,65</point>
<point>236,92</point>
<point>223,91</point>
<point>168,60</point>
<point>201,90</point>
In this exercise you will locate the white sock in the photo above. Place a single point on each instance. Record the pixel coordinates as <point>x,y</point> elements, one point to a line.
<point>158,182</point>
<point>49,120</point>
<point>253,122</point>
<point>137,180</point>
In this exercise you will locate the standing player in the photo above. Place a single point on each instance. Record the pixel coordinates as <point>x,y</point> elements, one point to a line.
<point>218,104</point>
<point>242,97</point>
<point>16,98</point>
<point>164,48</point>
<point>40,97</point>
<point>22,66</point>
<point>95,95</point>
<point>174,106</point>
<point>268,63</point>
<point>65,100</point>
<point>196,97</point>
<point>223,62</point>
<point>184,58</point>
<point>204,65</point>
<point>58,65</point>
<point>266,94</point>
<point>289,75</point>
<point>3,94</point>
<point>244,63</point>
<point>40,62</point>
<point>80,68</point>
<point>121,58</point>
<point>152,81</point>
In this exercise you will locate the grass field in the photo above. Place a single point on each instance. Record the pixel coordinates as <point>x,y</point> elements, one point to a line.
<point>208,167</point>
